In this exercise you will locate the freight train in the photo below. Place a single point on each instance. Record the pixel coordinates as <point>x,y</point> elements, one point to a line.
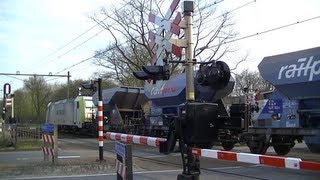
<point>290,113</point>
<point>152,110</point>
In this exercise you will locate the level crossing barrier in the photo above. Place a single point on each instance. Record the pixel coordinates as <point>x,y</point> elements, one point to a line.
<point>275,161</point>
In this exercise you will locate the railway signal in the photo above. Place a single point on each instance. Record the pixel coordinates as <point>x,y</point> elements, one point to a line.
<point>153,73</point>
<point>93,87</point>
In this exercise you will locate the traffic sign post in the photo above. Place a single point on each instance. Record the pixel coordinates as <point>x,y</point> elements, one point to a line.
<point>123,161</point>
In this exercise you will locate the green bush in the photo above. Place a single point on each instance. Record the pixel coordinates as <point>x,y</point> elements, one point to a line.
<point>29,144</point>
<point>5,140</point>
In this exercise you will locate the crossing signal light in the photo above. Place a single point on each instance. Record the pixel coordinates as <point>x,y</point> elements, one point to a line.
<point>79,91</point>
<point>153,73</point>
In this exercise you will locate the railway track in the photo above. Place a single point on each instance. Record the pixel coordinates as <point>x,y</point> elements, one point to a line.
<point>148,156</point>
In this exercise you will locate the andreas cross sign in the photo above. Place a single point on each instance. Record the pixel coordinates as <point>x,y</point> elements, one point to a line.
<point>160,40</point>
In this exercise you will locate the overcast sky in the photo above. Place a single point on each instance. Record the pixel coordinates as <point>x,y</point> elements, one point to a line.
<point>30,30</point>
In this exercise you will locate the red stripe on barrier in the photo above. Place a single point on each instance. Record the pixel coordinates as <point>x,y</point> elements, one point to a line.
<point>100,128</point>
<point>100,118</point>
<point>272,161</point>
<point>108,135</point>
<point>100,108</point>
<point>144,140</point>
<point>51,152</point>
<point>118,137</point>
<point>307,165</point>
<point>129,138</point>
<point>196,151</point>
<point>158,142</point>
<point>100,138</point>
<point>230,156</point>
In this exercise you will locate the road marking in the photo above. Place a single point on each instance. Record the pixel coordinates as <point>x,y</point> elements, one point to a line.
<point>67,157</point>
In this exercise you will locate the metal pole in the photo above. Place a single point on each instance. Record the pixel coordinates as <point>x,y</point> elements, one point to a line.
<point>68,85</point>
<point>55,144</point>
<point>100,120</point>
<point>188,10</point>
<point>12,106</point>
<point>128,162</point>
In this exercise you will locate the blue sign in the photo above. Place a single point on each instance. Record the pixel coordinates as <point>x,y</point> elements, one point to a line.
<point>120,148</point>
<point>47,128</point>
<point>273,106</point>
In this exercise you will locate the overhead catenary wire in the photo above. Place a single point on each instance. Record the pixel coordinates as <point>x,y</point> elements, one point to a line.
<point>91,57</point>
<point>76,38</point>
<point>234,40</point>
<point>268,31</point>
<point>235,9</point>
<point>98,23</point>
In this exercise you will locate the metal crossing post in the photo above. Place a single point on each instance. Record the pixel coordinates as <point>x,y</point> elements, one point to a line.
<point>191,164</point>
<point>100,120</point>
<point>187,12</point>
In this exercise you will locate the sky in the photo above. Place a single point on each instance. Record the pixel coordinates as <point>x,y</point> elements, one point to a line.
<point>33,31</point>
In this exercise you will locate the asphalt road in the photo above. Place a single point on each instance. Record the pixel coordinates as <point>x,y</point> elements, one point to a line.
<point>150,164</point>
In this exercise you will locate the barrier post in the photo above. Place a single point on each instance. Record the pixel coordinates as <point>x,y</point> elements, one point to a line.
<point>123,161</point>
<point>49,142</point>
<point>55,144</point>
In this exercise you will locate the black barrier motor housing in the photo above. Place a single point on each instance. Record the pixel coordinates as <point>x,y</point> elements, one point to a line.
<point>199,122</point>
<point>153,73</point>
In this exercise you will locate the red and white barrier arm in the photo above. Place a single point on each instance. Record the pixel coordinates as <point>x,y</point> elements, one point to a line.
<point>135,139</point>
<point>276,161</point>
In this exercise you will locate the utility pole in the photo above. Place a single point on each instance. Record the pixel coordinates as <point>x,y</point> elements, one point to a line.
<point>43,75</point>
<point>68,85</point>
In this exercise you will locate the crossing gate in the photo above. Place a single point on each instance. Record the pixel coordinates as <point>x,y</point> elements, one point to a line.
<point>275,161</point>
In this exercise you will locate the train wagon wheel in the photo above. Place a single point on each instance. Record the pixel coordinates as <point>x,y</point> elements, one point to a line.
<point>227,145</point>
<point>282,145</point>
<point>258,144</point>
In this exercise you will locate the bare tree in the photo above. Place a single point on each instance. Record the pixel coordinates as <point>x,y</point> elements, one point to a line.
<point>251,80</point>
<point>39,92</point>
<point>128,27</point>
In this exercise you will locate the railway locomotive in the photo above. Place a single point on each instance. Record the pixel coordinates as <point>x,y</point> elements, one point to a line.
<point>73,115</point>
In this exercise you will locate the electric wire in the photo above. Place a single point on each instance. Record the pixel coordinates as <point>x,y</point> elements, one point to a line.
<point>91,57</point>
<point>234,40</point>
<point>235,9</point>
<point>82,43</point>
<point>268,31</point>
